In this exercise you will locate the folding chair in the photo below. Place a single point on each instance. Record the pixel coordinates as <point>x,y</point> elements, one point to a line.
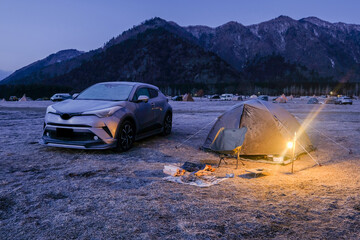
<point>229,141</point>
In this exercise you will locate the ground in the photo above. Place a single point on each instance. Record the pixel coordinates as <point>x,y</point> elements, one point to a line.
<point>51,193</point>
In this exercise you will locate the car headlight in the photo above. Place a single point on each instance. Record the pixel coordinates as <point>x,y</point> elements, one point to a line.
<point>50,109</point>
<point>107,112</point>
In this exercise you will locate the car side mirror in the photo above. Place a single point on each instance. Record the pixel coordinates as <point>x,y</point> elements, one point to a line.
<point>143,98</point>
<point>75,95</point>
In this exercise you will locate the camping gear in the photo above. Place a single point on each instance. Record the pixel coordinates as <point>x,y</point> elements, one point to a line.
<point>281,99</point>
<point>200,175</point>
<point>188,98</point>
<point>193,167</point>
<point>258,171</point>
<point>253,96</point>
<point>229,141</point>
<point>269,128</point>
<point>313,101</point>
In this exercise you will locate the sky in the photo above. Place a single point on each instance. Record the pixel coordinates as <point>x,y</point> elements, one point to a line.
<point>32,30</point>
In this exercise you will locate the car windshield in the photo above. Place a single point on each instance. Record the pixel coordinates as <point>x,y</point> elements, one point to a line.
<point>106,92</point>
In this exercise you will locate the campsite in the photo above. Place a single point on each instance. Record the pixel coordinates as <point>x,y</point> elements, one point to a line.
<point>51,193</point>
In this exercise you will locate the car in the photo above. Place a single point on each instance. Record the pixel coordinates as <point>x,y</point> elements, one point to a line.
<point>60,97</point>
<point>226,97</point>
<point>215,96</point>
<point>177,98</point>
<point>13,98</point>
<point>264,98</point>
<point>237,98</point>
<point>108,115</point>
<point>343,100</point>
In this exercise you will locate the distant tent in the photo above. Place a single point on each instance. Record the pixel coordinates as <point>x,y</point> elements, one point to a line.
<point>3,100</point>
<point>269,126</point>
<point>313,101</point>
<point>188,98</point>
<point>281,99</point>
<point>291,97</point>
<point>253,96</point>
<point>23,99</point>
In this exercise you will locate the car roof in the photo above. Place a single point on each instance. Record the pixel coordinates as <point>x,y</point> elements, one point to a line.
<point>131,84</point>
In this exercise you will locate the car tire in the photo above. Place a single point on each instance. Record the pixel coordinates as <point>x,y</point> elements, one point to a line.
<point>126,136</point>
<point>167,125</point>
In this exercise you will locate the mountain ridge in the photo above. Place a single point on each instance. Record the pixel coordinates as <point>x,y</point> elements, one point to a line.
<point>319,49</point>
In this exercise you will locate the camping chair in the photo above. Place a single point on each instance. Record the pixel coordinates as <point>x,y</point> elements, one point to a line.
<point>229,141</point>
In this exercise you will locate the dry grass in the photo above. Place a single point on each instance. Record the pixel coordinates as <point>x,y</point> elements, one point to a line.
<point>48,193</point>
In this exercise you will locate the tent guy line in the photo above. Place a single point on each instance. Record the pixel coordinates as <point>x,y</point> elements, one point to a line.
<point>177,146</point>
<point>347,149</point>
<point>290,134</point>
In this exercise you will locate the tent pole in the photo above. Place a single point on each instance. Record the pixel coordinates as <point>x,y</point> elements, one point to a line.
<point>237,159</point>
<point>293,154</point>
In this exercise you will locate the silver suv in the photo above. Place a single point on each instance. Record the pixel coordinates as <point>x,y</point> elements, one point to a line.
<point>108,115</point>
<point>343,100</point>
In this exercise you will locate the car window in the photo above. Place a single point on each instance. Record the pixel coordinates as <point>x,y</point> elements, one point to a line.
<point>153,93</point>
<point>141,91</point>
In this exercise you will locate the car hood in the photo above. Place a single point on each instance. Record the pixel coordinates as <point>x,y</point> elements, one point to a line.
<point>79,106</point>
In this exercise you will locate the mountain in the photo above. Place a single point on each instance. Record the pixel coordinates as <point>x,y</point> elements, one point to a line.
<point>270,57</point>
<point>154,56</point>
<point>33,72</point>
<point>332,49</point>
<point>156,51</point>
<point>4,74</point>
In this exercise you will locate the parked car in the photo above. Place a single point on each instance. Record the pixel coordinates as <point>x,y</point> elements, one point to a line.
<point>226,97</point>
<point>177,98</point>
<point>263,98</point>
<point>330,100</point>
<point>108,115</point>
<point>60,97</point>
<point>13,98</point>
<point>237,98</point>
<point>215,96</point>
<point>343,100</point>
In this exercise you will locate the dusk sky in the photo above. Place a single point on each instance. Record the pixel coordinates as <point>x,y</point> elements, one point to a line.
<point>32,30</point>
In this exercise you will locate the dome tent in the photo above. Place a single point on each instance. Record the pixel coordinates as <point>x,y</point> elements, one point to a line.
<point>269,126</point>
<point>313,100</point>
<point>281,99</point>
<point>188,98</point>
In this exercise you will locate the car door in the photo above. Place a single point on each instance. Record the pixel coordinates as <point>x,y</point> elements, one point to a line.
<point>143,110</point>
<point>158,104</point>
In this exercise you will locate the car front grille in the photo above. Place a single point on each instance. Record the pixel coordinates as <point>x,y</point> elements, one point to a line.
<point>67,134</point>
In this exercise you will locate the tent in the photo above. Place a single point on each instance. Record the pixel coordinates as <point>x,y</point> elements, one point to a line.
<point>3,100</point>
<point>291,97</point>
<point>313,101</point>
<point>188,98</point>
<point>23,99</point>
<point>253,96</point>
<point>281,99</point>
<point>270,128</point>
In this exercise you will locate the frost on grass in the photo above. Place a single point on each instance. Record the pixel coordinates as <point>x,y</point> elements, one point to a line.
<point>49,193</point>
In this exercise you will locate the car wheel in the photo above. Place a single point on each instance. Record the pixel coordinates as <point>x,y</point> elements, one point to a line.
<point>126,136</point>
<point>167,124</point>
